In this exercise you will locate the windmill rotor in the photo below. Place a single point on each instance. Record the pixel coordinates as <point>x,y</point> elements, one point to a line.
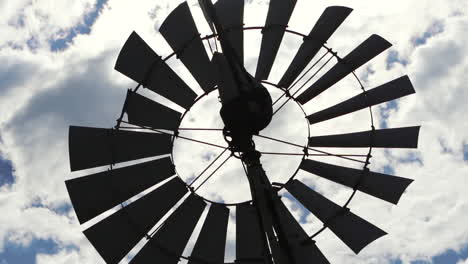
<point>157,205</point>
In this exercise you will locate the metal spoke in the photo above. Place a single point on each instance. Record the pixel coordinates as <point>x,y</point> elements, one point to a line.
<point>302,86</point>
<point>300,78</point>
<point>201,129</point>
<point>209,166</point>
<point>312,155</point>
<point>178,136</point>
<point>316,150</point>
<point>201,184</point>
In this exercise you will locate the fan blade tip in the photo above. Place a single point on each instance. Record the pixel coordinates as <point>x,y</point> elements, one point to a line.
<point>183,5</point>
<point>386,43</point>
<point>341,8</point>
<point>130,40</point>
<point>405,186</point>
<point>407,80</point>
<point>359,248</point>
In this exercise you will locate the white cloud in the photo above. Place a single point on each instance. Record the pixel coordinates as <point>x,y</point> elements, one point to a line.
<point>43,92</point>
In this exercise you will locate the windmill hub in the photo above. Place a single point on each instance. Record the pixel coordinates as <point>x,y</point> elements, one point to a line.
<point>246,116</point>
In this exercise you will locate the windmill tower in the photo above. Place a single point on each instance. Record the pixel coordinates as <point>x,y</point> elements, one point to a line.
<point>266,231</point>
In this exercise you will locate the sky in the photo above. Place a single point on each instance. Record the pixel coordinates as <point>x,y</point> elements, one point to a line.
<point>56,70</point>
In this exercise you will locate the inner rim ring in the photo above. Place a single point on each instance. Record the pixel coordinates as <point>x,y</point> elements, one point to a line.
<point>247,201</point>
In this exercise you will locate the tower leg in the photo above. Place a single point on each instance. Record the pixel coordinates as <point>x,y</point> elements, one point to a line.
<point>263,195</point>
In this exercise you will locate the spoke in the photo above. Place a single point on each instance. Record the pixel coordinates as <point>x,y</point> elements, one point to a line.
<point>209,166</point>
<point>300,78</point>
<point>207,178</point>
<point>316,150</point>
<point>311,155</point>
<point>177,136</point>
<point>304,84</point>
<point>203,129</point>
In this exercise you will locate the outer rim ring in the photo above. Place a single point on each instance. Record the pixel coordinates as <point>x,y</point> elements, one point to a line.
<point>199,98</point>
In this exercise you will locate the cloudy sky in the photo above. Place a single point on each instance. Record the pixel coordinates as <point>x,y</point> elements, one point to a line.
<point>56,70</point>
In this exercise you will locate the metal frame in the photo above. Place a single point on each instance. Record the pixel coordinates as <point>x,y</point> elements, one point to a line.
<point>289,97</point>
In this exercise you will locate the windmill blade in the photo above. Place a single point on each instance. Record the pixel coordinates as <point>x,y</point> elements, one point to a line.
<point>168,244</point>
<point>303,253</point>
<point>403,137</point>
<point>227,87</point>
<point>142,111</point>
<point>366,51</point>
<point>91,147</point>
<point>211,242</point>
<point>392,90</point>
<point>249,244</point>
<point>94,194</point>
<point>383,186</point>
<point>231,16</point>
<point>354,231</point>
<point>326,25</point>
<point>117,234</point>
<point>205,7</point>
<point>140,63</point>
<point>277,20</point>
<point>181,33</point>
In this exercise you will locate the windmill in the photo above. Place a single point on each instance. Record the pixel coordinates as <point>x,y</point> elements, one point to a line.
<point>266,231</point>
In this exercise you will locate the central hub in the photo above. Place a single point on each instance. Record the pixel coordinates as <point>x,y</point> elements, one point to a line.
<point>246,116</point>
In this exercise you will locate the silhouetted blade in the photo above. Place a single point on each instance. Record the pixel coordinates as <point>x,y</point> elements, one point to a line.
<point>403,137</point>
<point>205,7</point>
<point>249,243</point>
<point>211,242</point>
<point>142,111</point>
<point>117,234</point>
<point>94,194</point>
<point>354,231</point>
<point>328,22</point>
<point>303,253</point>
<point>278,16</point>
<point>168,244</point>
<point>91,147</point>
<point>227,87</point>
<point>231,16</point>
<point>389,91</point>
<point>141,64</point>
<point>383,186</point>
<point>367,50</point>
<point>181,33</point>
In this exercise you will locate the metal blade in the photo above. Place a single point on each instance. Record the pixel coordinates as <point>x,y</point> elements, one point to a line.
<point>366,51</point>
<point>228,90</point>
<point>392,90</point>
<point>205,7</point>
<point>211,242</point>
<point>403,137</point>
<point>168,244</point>
<point>116,235</point>
<point>140,63</point>
<point>302,252</point>
<point>277,20</point>
<point>142,111</point>
<point>249,244</point>
<point>354,231</point>
<point>231,16</point>
<point>326,25</point>
<point>383,186</point>
<point>181,33</point>
<point>91,147</point>
<point>94,194</point>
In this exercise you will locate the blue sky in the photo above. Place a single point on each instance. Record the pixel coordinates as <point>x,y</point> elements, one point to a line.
<point>50,55</point>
